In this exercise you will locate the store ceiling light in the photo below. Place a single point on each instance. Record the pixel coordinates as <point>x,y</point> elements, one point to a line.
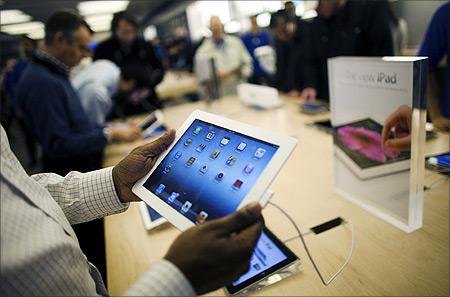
<point>99,22</point>
<point>150,33</point>
<point>309,14</point>
<point>13,16</point>
<point>37,34</point>
<point>101,7</point>
<point>22,28</point>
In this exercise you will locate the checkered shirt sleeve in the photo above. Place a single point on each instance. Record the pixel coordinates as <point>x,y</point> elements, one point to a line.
<point>162,279</point>
<point>83,196</point>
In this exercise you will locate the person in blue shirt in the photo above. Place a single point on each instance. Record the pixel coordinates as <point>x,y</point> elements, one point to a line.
<point>51,107</point>
<point>253,39</point>
<point>435,46</point>
<point>53,112</point>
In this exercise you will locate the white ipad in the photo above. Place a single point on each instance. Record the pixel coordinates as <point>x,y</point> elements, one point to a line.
<point>151,218</point>
<point>214,167</point>
<point>151,123</point>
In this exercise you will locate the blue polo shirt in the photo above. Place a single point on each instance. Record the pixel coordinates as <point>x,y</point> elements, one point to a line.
<point>253,41</point>
<point>435,46</point>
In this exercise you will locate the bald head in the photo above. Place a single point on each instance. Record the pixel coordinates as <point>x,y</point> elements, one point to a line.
<point>216,27</point>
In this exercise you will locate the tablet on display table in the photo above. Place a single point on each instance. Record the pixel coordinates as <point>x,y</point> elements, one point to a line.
<point>151,218</point>
<point>270,256</point>
<point>214,167</point>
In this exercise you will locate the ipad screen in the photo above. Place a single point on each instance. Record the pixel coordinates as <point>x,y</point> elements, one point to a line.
<point>209,171</point>
<point>265,256</point>
<point>270,255</point>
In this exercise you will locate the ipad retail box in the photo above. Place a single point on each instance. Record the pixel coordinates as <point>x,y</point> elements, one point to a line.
<point>364,93</point>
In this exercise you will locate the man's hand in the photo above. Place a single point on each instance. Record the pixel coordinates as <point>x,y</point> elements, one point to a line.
<point>216,253</point>
<point>128,134</point>
<point>309,94</point>
<point>400,121</point>
<point>294,94</point>
<point>441,123</point>
<point>137,164</point>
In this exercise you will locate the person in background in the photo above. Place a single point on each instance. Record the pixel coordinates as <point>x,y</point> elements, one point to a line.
<point>436,47</point>
<point>125,48</point>
<point>160,51</point>
<point>100,83</point>
<point>342,28</point>
<point>41,255</point>
<point>284,24</point>
<point>53,112</point>
<point>253,39</point>
<point>179,50</point>
<point>232,61</point>
<point>6,66</point>
<point>27,46</point>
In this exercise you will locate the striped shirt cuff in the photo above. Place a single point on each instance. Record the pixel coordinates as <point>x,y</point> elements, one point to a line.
<point>97,188</point>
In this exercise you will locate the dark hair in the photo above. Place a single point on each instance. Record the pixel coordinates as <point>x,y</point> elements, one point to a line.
<point>288,3</point>
<point>140,73</point>
<point>123,15</point>
<point>64,21</point>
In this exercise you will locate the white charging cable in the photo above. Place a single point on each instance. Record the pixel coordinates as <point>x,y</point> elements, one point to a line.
<point>350,254</point>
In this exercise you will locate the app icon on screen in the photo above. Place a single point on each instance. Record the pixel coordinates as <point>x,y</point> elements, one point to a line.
<point>160,189</point>
<point>178,155</point>
<point>204,168</point>
<point>190,161</point>
<point>201,147</point>
<point>238,184</point>
<point>188,142</point>
<point>219,176</point>
<point>225,140</point>
<point>197,130</point>
<point>248,168</point>
<point>241,146</point>
<point>259,153</point>
<point>256,266</point>
<point>210,135</point>
<point>231,160</point>
<point>173,196</point>
<point>201,217</point>
<point>215,154</point>
<point>168,168</point>
<point>186,206</point>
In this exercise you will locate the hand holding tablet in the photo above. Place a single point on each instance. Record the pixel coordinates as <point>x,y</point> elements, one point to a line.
<point>214,167</point>
<point>215,254</point>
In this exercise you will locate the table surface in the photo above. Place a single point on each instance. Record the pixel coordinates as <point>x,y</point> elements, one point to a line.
<point>386,261</point>
<point>176,84</point>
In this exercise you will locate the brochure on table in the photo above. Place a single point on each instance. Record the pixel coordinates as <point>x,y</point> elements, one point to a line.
<point>364,92</point>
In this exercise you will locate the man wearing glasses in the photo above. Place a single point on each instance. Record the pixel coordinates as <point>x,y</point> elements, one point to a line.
<point>54,114</point>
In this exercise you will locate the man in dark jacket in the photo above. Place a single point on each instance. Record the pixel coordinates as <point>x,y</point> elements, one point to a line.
<point>342,28</point>
<point>284,24</point>
<point>126,48</point>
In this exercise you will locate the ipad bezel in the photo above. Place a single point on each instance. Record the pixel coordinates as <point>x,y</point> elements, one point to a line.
<point>291,258</point>
<point>286,145</point>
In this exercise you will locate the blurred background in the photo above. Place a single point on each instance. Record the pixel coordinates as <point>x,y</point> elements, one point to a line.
<point>161,18</point>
